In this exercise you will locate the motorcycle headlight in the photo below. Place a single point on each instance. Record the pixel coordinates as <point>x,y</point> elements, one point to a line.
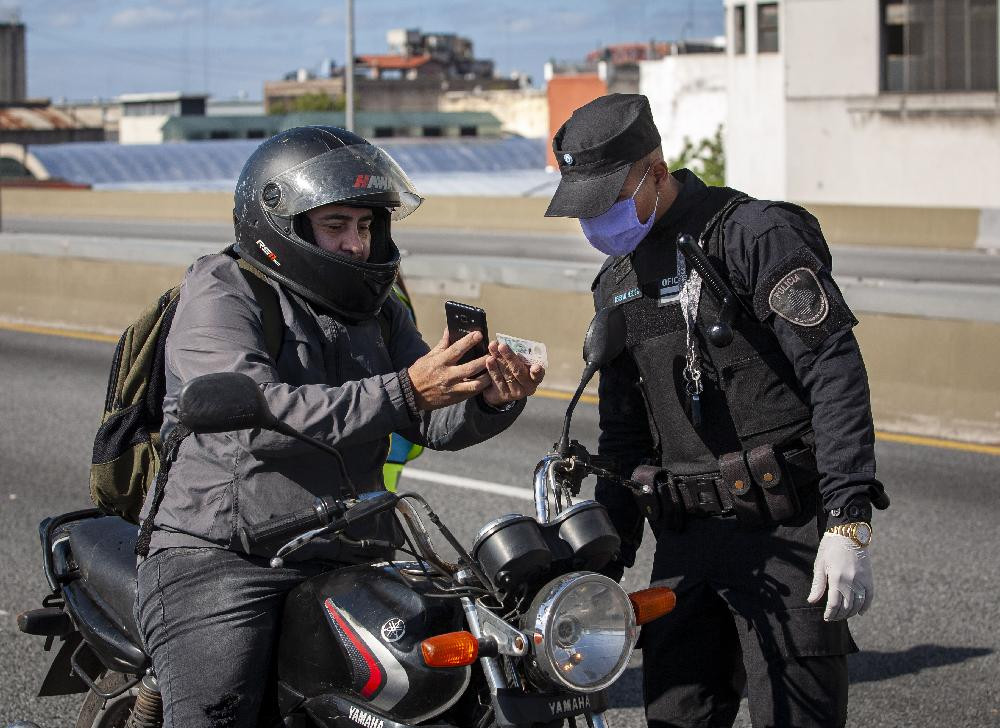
<point>583,630</point>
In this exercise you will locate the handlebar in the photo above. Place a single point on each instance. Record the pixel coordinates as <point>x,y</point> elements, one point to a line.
<point>328,514</point>
<point>557,476</point>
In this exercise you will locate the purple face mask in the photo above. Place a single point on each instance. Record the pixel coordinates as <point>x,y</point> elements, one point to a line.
<point>618,231</point>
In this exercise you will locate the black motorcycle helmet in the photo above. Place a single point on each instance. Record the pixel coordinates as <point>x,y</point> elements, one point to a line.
<point>304,168</point>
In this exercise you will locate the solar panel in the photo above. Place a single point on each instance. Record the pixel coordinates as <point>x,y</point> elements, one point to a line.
<point>217,164</point>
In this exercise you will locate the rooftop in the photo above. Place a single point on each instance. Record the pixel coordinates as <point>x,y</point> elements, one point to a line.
<point>37,119</point>
<point>513,166</point>
<point>391,61</point>
<point>158,96</point>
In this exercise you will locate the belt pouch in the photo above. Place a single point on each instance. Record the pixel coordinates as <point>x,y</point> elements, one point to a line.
<point>668,508</point>
<point>780,499</point>
<point>736,477</point>
<point>648,498</point>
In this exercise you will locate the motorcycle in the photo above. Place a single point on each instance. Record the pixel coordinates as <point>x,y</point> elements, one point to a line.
<point>519,632</point>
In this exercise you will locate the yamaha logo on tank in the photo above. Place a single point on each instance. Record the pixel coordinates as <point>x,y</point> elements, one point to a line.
<point>393,630</point>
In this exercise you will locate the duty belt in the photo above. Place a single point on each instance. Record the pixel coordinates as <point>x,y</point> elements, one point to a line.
<point>702,495</point>
<point>670,497</point>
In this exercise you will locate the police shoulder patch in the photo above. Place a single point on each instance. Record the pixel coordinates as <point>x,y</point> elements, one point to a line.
<point>799,298</point>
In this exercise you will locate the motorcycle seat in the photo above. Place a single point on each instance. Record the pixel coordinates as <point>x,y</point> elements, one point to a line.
<point>104,550</point>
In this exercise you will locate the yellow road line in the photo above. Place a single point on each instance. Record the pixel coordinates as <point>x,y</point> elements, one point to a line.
<point>65,333</point>
<point>938,442</point>
<point>565,396</point>
<point>918,440</point>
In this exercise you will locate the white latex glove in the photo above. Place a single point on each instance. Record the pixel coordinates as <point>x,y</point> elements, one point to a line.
<point>845,570</point>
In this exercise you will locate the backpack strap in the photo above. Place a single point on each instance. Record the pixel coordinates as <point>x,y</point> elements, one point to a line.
<point>267,299</point>
<point>170,448</point>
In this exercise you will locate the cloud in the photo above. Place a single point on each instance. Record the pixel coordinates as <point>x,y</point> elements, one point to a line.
<point>149,16</point>
<point>64,19</point>
<point>522,25</point>
<point>332,16</point>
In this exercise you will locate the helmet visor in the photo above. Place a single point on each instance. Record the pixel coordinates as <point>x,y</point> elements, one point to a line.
<point>355,174</point>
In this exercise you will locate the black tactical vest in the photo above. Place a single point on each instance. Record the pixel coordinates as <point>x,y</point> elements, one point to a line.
<point>751,395</point>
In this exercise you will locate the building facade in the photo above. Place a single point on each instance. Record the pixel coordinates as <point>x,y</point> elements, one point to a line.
<point>143,115</point>
<point>12,66</point>
<point>687,95</point>
<point>374,125</point>
<point>521,111</point>
<point>865,102</point>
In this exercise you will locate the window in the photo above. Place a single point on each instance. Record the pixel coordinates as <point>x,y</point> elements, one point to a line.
<point>256,134</point>
<point>384,131</point>
<point>767,28</point>
<point>432,131</point>
<point>220,134</point>
<point>939,45</point>
<point>468,131</point>
<point>739,29</point>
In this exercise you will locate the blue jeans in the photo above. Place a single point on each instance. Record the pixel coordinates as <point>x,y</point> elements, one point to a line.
<point>210,620</point>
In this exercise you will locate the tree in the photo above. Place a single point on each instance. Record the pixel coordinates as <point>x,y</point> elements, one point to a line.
<point>309,102</point>
<point>706,158</point>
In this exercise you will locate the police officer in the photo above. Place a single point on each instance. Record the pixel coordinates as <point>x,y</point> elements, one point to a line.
<point>750,424</point>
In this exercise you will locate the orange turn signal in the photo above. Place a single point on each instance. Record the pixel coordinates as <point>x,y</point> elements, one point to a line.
<point>652,603</point>
<point>454,649</point>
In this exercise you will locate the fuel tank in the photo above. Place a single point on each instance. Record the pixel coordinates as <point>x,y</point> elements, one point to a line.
<point>356,632</point>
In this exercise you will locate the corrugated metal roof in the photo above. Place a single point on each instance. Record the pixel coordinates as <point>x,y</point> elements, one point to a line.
<point>514,163</point>
<point>42,118</point>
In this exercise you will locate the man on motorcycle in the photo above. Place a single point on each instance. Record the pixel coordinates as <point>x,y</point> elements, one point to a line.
<point>312,213</point>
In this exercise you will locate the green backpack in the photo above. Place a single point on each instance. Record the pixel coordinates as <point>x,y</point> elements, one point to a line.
<point>127,445</point>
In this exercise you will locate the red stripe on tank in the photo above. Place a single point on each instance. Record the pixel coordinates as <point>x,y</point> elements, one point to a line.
<point>375,676</point>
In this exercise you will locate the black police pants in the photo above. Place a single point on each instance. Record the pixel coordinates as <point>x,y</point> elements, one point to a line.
<point>742,622</point>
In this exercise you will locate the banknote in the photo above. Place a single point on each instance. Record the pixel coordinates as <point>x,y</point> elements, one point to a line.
<point>532,351</point>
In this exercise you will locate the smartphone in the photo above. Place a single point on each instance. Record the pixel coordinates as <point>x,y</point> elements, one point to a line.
<point>463,319</point>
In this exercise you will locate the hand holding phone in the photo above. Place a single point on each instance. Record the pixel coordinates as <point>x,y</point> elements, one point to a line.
<point>455,369</point>
<point>464,319</point>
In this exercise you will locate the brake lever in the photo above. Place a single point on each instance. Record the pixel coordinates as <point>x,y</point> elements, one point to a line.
<point>365,506</point>
<point>614,477</point>
<point>302,539</point>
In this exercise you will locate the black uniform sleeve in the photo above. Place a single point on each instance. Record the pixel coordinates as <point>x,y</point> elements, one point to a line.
<point>784,266</point>
<point>625,436</point>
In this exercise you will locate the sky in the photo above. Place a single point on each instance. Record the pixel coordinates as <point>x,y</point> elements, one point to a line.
<point>81,49</point>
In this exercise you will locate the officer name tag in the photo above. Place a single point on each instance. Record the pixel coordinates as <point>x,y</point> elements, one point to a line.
<point>628,295</point>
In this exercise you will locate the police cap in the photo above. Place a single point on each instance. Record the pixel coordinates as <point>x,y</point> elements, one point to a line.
<point>595,149</point>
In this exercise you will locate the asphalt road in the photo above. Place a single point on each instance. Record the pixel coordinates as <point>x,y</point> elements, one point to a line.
<point>931,645</point>
<point>939,266</point>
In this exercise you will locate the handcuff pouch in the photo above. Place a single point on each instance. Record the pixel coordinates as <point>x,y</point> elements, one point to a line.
<point>737,478</point>
<point>781,501</point>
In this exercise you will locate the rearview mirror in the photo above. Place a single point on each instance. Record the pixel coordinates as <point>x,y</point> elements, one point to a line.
<point>223,402</point>
<point>604,341</point>
<point>605,338</point>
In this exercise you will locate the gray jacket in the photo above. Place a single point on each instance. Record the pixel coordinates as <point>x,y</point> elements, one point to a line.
<point>332,381</point>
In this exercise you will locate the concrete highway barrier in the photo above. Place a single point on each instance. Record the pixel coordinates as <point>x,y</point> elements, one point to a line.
<point>913,227</point>
<point>931,348</point>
